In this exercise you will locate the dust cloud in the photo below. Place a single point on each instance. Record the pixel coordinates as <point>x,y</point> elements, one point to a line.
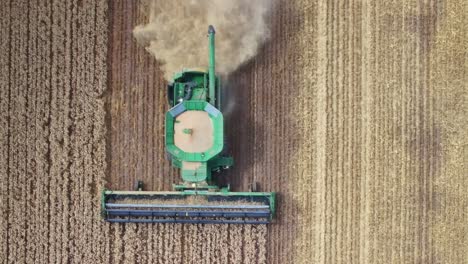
<point>176,32</point>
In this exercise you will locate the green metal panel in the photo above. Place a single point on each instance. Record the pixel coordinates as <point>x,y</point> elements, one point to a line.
<point>176,163</point>
<point>218,95</point>
<point>199,175</point>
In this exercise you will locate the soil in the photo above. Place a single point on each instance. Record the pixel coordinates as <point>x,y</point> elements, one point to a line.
<point>354,112</point>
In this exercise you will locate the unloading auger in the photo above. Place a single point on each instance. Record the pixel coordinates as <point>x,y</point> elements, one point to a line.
<point>194,135</point>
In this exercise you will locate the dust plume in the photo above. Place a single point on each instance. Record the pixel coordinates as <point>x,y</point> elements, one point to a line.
<point>176,32</point>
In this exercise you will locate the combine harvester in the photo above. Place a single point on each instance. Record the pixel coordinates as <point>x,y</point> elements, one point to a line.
<point>194,141</point>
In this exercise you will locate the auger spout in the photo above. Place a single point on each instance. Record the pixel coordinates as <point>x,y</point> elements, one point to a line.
<point>211,63</point>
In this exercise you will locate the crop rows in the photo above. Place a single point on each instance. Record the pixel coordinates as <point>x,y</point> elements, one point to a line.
<point>354,112</point>
<point>53,152</point>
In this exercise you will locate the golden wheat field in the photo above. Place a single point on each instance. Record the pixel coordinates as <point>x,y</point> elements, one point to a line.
<point>355,112</point>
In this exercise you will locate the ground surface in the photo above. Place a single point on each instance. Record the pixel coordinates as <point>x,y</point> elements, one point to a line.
<point>355,112</point>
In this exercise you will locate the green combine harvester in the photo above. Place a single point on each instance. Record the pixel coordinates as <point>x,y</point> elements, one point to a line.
<point>195,142</point>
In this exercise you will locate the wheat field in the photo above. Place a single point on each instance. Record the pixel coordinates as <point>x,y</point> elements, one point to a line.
<point>355,112</point>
